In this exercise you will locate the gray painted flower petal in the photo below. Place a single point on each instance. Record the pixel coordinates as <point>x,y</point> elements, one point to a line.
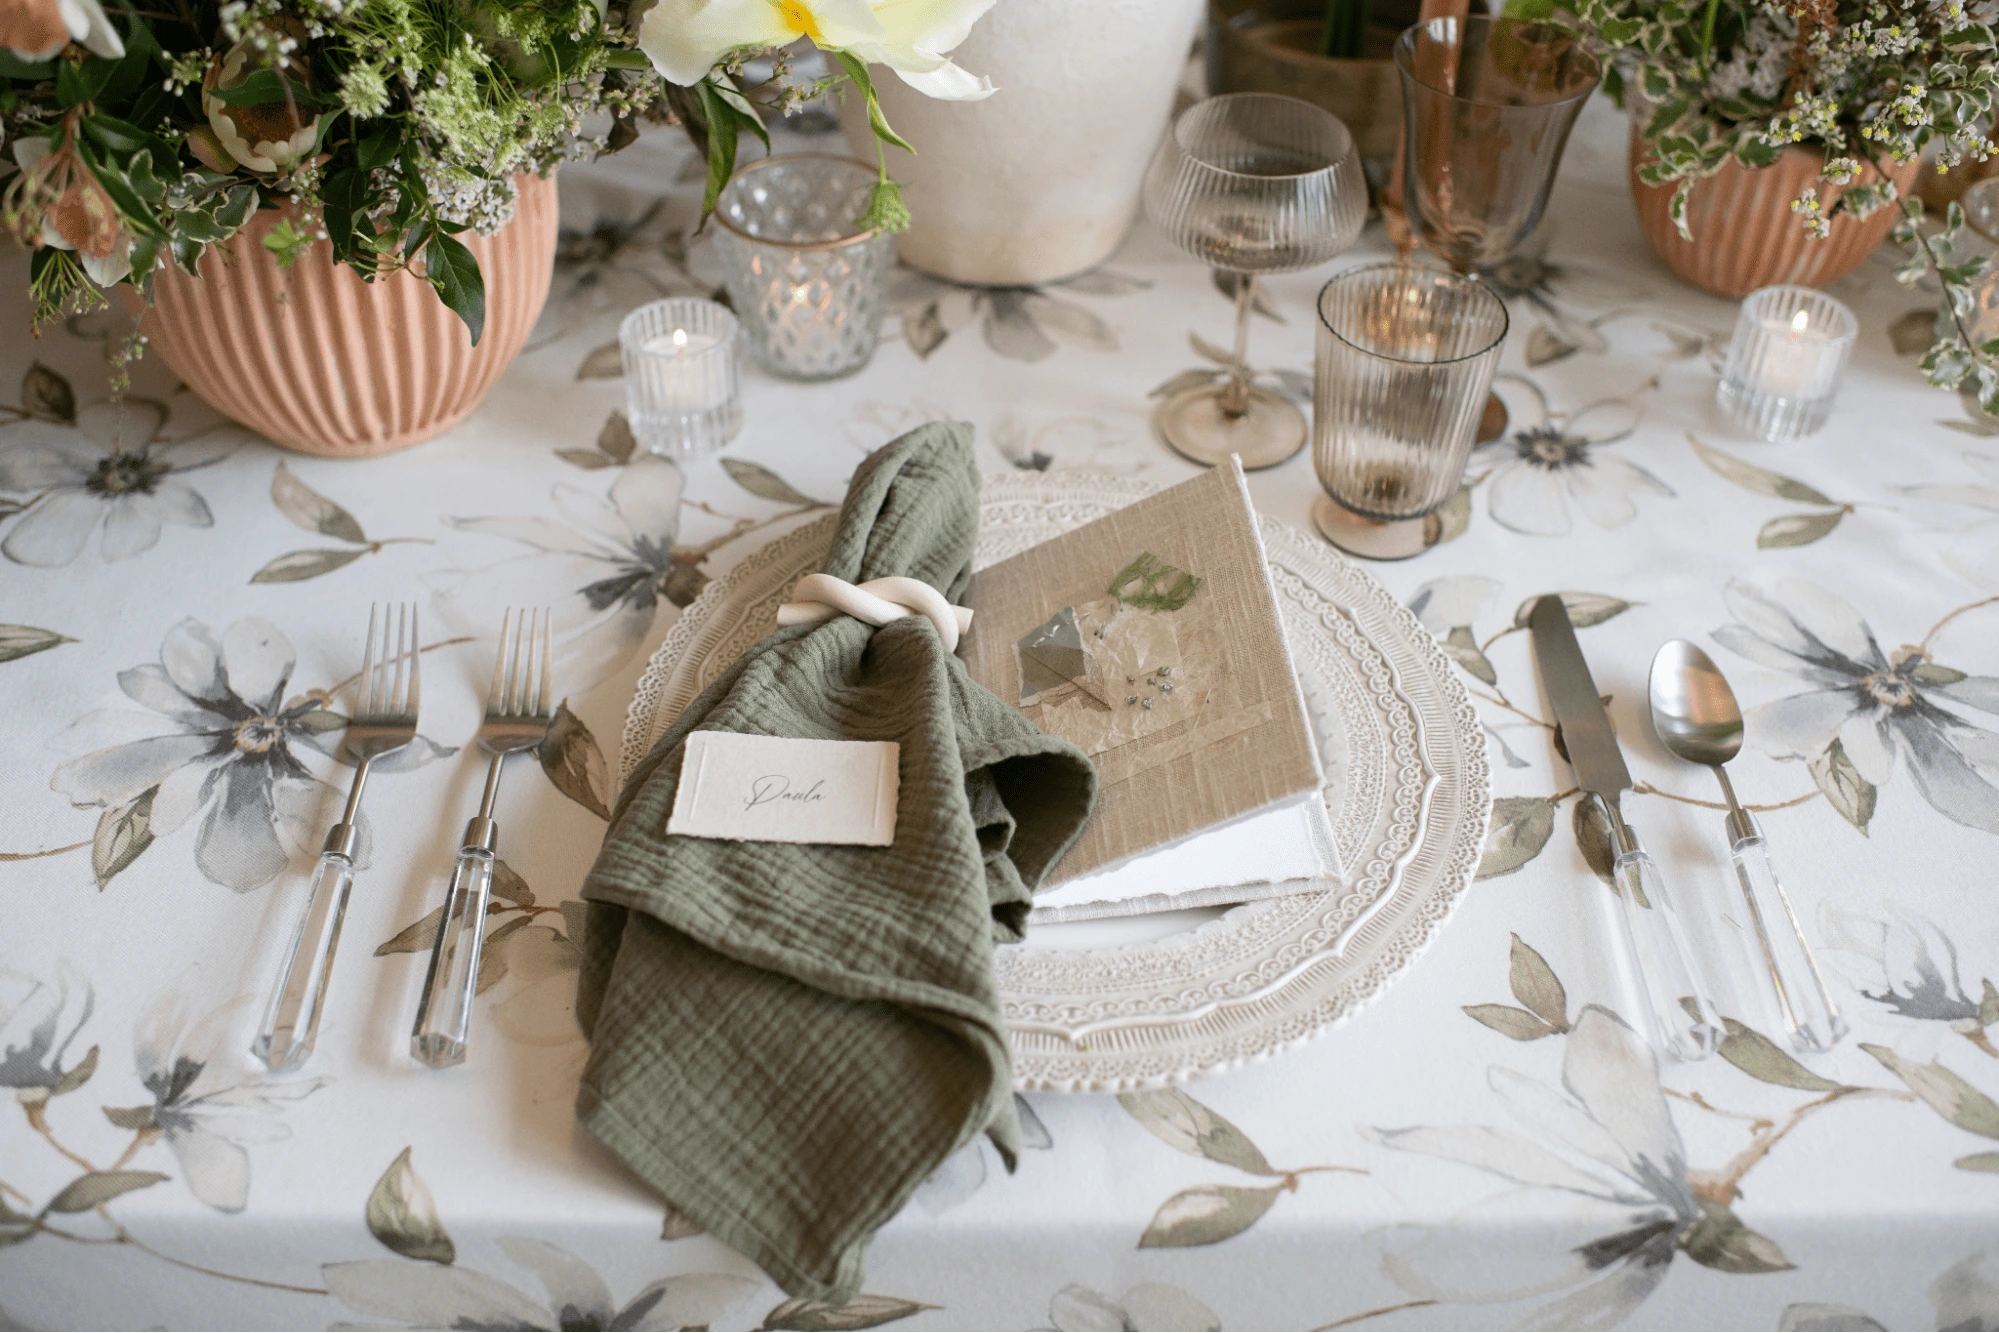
<point>127,426</point>
<point>216,1170</point>
<point>259,662</point>
<point>1946,776</point>
<point>1078,1309</point>
<point>177,502</point>
<point>1868,745</point>
<point>1609,1300</point>
<point>1966,1294</point>
<point>131,526</point>
<point>150,685</point>
<point>184,791</point>
<point>431,1295</point>
<point>576,1294</point>
<point>1155,1305</point>
<point>1767,620</point>
<point>1500,1151</point>
<point>39,456</point>
<point>647,494</point>
<point>1603,485</point>
<point>1485,1255</point>
<point>695,1300</point>
<point>1552,1118</point>
<point>54,531</point>
<point>238,847</point>
<point>1799,726</point>
<point>193,661</point>
<point>108,777</point>
<point>1746,643</point>
<point>1443,604</point>
<point>1819,1317</point>
<point>1615,1075</point>
<point>1528,499</point>
<point>1832,621</point>
<point>544,534</point>
<point>1980,692</point>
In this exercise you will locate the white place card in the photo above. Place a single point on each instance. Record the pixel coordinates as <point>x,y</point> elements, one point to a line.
<point>781,789</point>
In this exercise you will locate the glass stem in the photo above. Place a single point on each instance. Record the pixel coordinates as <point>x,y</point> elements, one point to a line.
<point>1235,393</point>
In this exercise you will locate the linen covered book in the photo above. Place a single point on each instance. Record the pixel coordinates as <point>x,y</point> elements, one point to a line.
<point>1150,639</point>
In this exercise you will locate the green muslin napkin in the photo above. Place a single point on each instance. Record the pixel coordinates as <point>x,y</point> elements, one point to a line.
<point>787,1040</point>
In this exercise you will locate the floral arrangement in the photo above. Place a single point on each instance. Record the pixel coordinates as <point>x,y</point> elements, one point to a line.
<point>702,46</point>
<point>1863,81</point>
<point>1957,360</point>
<point>389,128</point>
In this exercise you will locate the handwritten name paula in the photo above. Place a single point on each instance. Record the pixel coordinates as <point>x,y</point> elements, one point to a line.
<point>776,788</point>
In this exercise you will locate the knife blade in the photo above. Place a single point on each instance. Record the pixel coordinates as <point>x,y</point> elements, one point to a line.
<point>1664,973</point>
<point>1586,732</point>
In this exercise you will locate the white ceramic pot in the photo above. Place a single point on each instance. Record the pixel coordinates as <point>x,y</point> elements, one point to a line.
<point>1039,181</point>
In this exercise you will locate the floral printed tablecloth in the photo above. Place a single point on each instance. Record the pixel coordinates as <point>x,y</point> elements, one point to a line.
<point>1487,1145</point>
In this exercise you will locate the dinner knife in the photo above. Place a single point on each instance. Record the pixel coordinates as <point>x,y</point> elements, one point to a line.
<point>1677,1002</point>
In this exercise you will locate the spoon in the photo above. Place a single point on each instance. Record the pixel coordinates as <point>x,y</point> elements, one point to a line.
<point>1696,715</point>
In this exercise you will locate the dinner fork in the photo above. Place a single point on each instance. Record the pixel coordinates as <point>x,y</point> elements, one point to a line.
<point>388,691</point>
<point>517,717</point>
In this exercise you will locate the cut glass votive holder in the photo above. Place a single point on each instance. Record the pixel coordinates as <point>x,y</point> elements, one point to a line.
<point>1405,359</point>
<point>807,280</point>
<point>681,387</point>
<point>1784,364</point>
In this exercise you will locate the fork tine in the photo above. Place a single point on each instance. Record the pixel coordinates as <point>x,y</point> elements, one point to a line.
<point>493,696</point>
<point>404,654</point>
<point>524,664</point>
<point>366,693</point>
<point>416,666</point>
<point>547,657</point>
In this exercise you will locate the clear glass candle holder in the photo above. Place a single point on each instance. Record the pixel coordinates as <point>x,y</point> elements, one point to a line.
<point>681,388</point>
<point>807,280</point>
<point>1790,348</point>
<point>1406,356</point>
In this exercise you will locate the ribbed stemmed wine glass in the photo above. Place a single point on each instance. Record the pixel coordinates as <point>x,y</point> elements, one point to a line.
<point>1251,183</point>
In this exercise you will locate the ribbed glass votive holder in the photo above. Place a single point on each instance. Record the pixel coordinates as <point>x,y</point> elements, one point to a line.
<point>806,278</point>
<point>681,389</point>
<point>1790,348</point>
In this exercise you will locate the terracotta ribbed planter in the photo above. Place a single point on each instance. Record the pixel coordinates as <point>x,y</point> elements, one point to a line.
<point>339,366</point>
<point>1745,234</point>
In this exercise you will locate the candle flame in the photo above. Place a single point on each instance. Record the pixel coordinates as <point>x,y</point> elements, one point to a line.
<point>1798,322</point>
<point>679,339</point>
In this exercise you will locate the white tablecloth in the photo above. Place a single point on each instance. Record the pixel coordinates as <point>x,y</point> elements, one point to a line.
<point>1504,1153</point>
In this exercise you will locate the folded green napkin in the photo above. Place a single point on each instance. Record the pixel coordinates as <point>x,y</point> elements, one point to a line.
<point>786,1040</point>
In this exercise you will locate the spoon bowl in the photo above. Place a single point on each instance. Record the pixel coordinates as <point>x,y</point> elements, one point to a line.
<point>1693,710</point>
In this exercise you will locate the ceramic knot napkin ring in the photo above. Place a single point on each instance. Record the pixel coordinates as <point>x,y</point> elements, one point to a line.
<point>820,597</point>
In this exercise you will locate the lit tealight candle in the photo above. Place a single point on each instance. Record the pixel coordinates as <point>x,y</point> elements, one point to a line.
<point>680,376</point>
<point>1790,347</point>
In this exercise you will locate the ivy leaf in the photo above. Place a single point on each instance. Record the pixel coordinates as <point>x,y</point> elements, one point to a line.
<point>298,566</point>
<point>1520,828</point>
<point>455,274</point>
<point>1797,529</point>
<point>1584,608</point>
<point>1510,1022</point>
<point>308,509</point>
<point>761,482</point>
<point>1849,793</point>
<point>1719,1240</point>
<point>1207,1215</point>
<point>1760,1058</point>
<point>46,395</point>
<point>864,1311</point>
<point>17,641</point>
<point>403,1216</point>
<point>123,833</point>
<point>606,362</point>
<point>1182,1123</point>
<point>1535,985</point>
<point>1760,480</point>
<point>95,1187</point>
<point>1947,1094</point>
<point>570,757</point>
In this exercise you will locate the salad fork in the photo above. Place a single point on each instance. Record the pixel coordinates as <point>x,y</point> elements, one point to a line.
<point>389,689</point>
<point>517,717</point>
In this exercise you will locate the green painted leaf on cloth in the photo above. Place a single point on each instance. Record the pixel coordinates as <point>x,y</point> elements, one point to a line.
<point>1462,648</point>
<point>413,938</point>
<point>1760,1058</point>
<point>18,641</point>
<point>131,1117</point>
<point>864,1311</point>
<point>1520,829</point>
<point>572,761</point>
<point>308,509</point>
<point>605,362</point>
<point>298,566</point>
<point>1719,1240</point>
<point>761,482</point>
<point>1978,1161</point>
<point>123,833</point>
<point>1849,793</point>
<point>95,1187</point>
<point>1757,479</point>
<point>1510,1022</point>
<point>1591,827</point>
<point>1182,1123</point>
<point>1207,1215</point>
<point>1584,608</point>
<point>46,395</point>
<point>676,1225</point>
<point>403,1216</point>
<point>1797,529</point>
<point>1535,985</point>
<point>14,1227</point>
<point>1947,1094</point>
<point>77,1075</point>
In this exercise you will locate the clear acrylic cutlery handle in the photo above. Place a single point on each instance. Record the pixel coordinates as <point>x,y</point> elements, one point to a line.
<point>291,1018</point>
<point>1668,976</point>
<point>1804,1005</point>
<point>444,1018</point>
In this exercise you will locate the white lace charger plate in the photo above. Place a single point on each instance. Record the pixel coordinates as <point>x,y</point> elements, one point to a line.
<point>1146,1001</point>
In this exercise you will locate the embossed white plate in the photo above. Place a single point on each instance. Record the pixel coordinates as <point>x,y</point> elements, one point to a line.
<point>1406,783</point>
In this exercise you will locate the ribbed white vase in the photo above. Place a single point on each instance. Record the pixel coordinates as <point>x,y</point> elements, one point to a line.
<point>1039,181</point>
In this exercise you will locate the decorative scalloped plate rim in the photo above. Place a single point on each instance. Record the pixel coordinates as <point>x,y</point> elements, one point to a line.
<point>1265,976</point>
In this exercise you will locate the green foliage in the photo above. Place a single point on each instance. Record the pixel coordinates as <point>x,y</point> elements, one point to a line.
<point>1953,362</point>
<point>385,126</point>
<point>1865,82</point>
